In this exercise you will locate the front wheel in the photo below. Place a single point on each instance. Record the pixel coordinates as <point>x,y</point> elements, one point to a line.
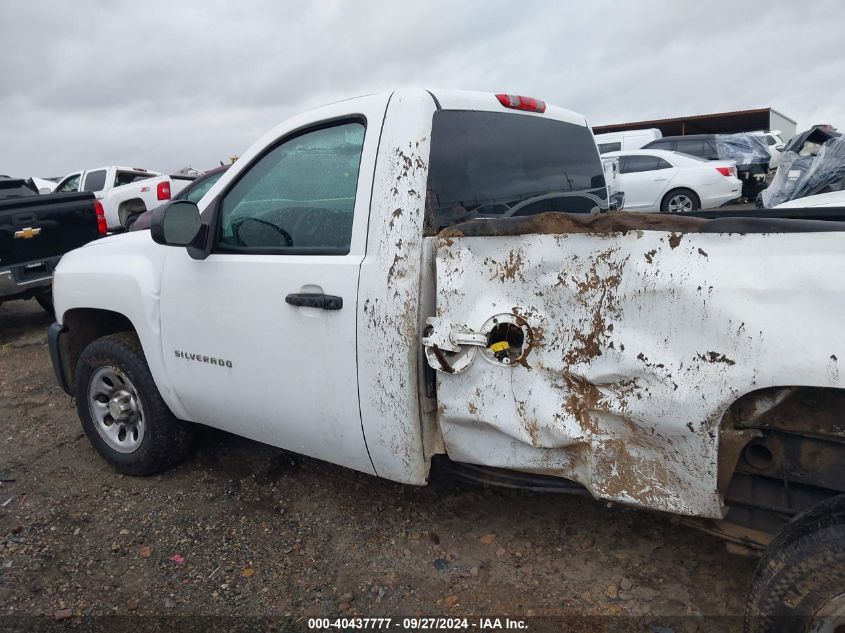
<point>799,585</point>
<point>122,411</point>
<point>679,201</point>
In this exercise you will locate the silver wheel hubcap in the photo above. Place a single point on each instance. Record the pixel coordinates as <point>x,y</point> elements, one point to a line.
<point>831,618</point>
<point>116,409</point>
<point>680,203</point>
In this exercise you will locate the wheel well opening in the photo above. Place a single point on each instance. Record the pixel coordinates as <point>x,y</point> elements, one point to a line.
<point>85,325</point>
<point>781,452</point>
<point>676,190</point>
<point>130,207</point>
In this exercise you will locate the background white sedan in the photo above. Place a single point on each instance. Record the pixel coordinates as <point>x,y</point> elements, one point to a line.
<point>671,182</point>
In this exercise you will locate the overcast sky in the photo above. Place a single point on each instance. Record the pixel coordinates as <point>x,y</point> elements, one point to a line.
<point>167,84</point>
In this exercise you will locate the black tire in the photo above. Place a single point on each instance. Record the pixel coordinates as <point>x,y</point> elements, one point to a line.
<point>689,193</point>
<point>130,221</point>
<point>802,571</point>
<point>45,300</point>
<point>166,439</point>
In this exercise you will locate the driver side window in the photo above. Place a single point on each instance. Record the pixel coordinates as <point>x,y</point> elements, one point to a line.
<point>298,198</point>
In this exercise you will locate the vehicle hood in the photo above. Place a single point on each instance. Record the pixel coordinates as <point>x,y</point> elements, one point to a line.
<point>120,238</point>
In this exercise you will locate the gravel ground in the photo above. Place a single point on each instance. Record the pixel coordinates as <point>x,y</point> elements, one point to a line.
<point>243,529</point>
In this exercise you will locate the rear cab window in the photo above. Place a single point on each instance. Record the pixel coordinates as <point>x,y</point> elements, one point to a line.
<point>494,165</point>
<point>125,177</point>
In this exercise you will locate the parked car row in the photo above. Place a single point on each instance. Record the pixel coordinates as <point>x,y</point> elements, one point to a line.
<point>748,152</point>
<point>752,155</point>
<point>125,192</point>
<point>36,229</point>
<point>672,182</point>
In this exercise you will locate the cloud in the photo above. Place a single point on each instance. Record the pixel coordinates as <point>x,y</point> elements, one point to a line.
<point>162,84</point>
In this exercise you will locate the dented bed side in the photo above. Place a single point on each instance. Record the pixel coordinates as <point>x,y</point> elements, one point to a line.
<point>639,334</point>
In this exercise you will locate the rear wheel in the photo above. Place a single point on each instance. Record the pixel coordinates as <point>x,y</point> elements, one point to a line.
<point>799,584</point>
<point>130,221</point>
<point>679,201</point>
<point>122,411</point>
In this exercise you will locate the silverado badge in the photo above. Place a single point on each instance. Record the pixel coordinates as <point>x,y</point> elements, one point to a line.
<point>27,234</point>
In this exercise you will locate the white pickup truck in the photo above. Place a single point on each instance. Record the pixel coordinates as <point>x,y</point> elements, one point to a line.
<point>124,192</point>
<point>358,288</point>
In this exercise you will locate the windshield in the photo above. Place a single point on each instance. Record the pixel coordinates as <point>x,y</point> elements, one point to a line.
<point>490,164</point>
<point>71,183</point>
<point>195,193</point>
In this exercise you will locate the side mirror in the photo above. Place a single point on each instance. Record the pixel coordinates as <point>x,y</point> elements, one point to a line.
<point>175,223</point>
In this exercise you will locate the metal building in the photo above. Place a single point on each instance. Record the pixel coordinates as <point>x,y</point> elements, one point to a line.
<point>719,123</point>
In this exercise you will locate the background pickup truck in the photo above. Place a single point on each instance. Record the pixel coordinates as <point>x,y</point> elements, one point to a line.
<point>125,192</point>
<point>35,231</point>
<point>193,192</point>
<point>375,283</point>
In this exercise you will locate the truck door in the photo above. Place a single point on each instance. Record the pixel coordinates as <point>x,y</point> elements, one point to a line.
<point>94,181</point>
<point>260,337</point>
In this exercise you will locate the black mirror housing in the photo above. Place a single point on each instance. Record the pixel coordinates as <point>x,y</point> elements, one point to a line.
<point>175,223</point>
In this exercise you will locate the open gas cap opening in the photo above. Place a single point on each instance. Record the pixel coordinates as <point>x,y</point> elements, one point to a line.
<point>503,340</point>
<point>508,339</point>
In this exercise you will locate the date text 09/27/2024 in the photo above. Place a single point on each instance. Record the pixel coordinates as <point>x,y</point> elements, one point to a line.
<point>417,624</point>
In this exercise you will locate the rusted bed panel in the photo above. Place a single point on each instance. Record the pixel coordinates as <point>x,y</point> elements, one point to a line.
<point>639,336</point>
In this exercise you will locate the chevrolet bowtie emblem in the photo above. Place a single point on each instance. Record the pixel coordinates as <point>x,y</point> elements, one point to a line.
<point>27,234</point>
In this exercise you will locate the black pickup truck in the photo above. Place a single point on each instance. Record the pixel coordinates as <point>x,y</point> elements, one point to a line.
<point>35,231</point>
